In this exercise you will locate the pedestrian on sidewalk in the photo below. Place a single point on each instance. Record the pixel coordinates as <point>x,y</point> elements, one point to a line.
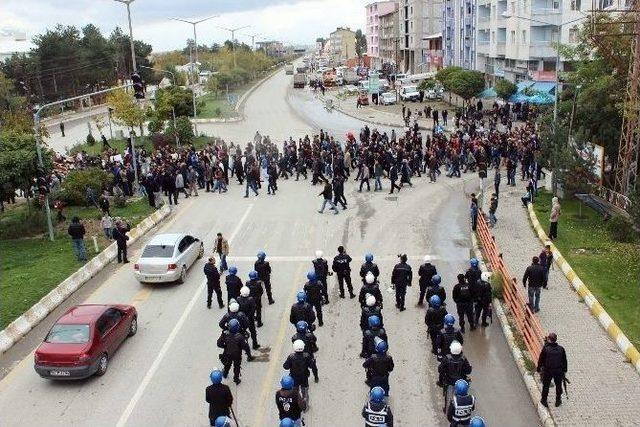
<point>107,225</point>
<point>76,231</point>
<point>552,365</point>
<point>535,275</point>
<point>553,218</point>
<point>493,207</point>
<point>497,177</point>
<point>473,211</point>
<point>546,260</point>
<point>62,128</point>
<point>120,236</point>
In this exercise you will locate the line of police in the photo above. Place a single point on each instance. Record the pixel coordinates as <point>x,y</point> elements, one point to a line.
<point>472,296</point>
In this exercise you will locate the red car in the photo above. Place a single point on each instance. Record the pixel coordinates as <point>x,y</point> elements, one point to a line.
<point>81,342</point>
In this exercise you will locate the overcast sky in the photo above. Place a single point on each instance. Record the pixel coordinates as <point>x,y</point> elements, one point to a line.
<point>294,21</point>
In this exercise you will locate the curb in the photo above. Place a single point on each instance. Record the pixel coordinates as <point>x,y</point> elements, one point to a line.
<point>532,386</point>
<point>29,319</point>
<point>624,345</point>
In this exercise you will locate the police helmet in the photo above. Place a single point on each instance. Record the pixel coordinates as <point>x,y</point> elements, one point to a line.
<point>253,275</point>
<point>287,422</point>
<point>302,326</point>
<point>223,421</point>
<point>435,280</point>
<point>434,301</point>
<point>301,296</point>
<point>381,347</point>
<point>298,346</point>
<point>374,321</point>
<point>368,257</point>
<point>286,382</point>
<point>234,307</point>
<point>473,262</point>
<point>370,300</point>
<point>233,271</point>
<point>485,276</point>
<point>377,394</point>
<point>455,347</point>
<point>244,291</point>
<point>370,278</point>
<point>261,255</point>
<point>427,258</point>
<point>449,320</point>
<point>215,376</point>
<point>311,276</point>
<point>462,387</point>
<point>234,326</point>
<point>319,253</point>
<point>477,422</point>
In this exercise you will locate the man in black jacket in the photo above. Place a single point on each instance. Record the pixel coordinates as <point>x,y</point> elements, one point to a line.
<point>463,297</point>
<point>234,343</point>
<point>321,268</point>
<point>483,298</point>
<point>264,273</point>
<point>120,236</point>
<point>552,365</point>
<point>425,272</point>
<point>213,282</point>
<point>302,311</point>
<point>378,367</point>
<point>535,275</point>
<point>76,231</point>
<point>341,266</point>
<point>299,363</point>
<point>401,278</point>
<point>314,291</point>
<point>289,400</point>
<point>327,193</point>
<point>218,396</point>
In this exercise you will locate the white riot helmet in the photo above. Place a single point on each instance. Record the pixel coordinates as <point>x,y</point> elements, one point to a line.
<point>485,276</point>
<point>427,258</point>
<point>370,300</point>
<point>298,346</point>
<point>455,347</point>
<point>319,253</point>
<point>234,307</point>
<point>244,291</point>
<point>370,278</point>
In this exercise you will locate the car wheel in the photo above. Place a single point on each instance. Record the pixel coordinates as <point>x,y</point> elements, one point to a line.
<point>201,252</point>
<point>133,327</point>
<point>183,275</point>
<point>103,365</point>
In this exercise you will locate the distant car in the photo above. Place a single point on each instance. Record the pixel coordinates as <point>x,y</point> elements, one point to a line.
<point>409,93</point>
<point>82,341</point>
<point>167,257</point>
<point>388,98</point>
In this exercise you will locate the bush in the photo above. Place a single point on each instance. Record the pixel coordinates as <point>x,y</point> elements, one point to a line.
<point>184,128</point>
<point>621,230</point>
<point>218,112</point>
<point>505,88</point>
<point>496,285</point>
<point>91,141</point>
<point>23,224</point>
<point>161,140</point>
<point>74,187</point>
<point>119,199</point>
<point>155,125</point>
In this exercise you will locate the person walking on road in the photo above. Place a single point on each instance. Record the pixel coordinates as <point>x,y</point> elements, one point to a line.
<point>463,297</point>
<point>546,260</point>
<point>213,282</point>
<point>289,401</point>
<point>120,236</point>
<point>378,367</point>
<point>76,231</point>
<point>553,218</point>
<point>341,266</point>
<point>376,412</point>
<point>535,276</point>
<point>425,274</point>
<point>302,311</point>
<point>461,406</point>
<point>321,268</point>
<point>434,319</point>
<point>233,284</point>
<point>401,278</point>
<point>218,396</point>
<point>222,249</point>
<point>264,273</point>
<point>299,363</point>
<point>62,128</point>
<point>327,193</point>
<point>314,293</point>
<point>552,365</point>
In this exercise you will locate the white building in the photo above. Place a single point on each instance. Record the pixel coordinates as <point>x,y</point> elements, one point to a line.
<point>459,33</point>
<point>419,22</point>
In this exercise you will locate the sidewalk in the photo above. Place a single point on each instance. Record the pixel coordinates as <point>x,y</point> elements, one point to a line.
<point>603,384</point>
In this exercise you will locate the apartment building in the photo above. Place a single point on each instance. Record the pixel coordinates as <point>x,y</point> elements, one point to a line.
<point>343,44</point>
<point>419,21</point>
<point>459,33</point>
<point>374,30</point>
<point>388,37</point>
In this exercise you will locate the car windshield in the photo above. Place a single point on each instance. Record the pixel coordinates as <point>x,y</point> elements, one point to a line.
<point>158,251</point>
<point>410,89</point>
<point>68,334</point>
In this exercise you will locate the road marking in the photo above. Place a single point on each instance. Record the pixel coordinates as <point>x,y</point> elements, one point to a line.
<point>172,336</point>
<point>141,296</point>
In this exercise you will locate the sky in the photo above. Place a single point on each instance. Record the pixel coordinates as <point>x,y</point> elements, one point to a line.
<point>292,21</point>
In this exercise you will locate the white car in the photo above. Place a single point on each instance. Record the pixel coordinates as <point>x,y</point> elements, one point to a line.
<point>388,98</point>
<point>409,93</point>
<point>167,257</point>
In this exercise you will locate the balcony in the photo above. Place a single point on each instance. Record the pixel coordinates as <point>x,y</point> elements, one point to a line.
<point>542,49</point>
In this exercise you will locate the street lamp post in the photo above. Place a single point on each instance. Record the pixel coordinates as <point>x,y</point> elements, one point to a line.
<point>195,34</point>
<point>133,51</point>
<point>173,109</point>
<point>233,40</point>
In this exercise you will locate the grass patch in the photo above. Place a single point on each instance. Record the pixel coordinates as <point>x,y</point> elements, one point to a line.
<point>32,266</point>
<point>216,107</point>
<point>610,269</point>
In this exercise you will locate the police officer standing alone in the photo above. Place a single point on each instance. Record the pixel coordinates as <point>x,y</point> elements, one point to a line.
<point>264,273</point>
<point>461,406</point>
<point>342,269</point>
<point>376,412</point>
<point>218,396</point>
<point>213,282</point>
<point>289,401</point>
<point>552,365</point>
<point>401,278</point>
<point>425,273</point>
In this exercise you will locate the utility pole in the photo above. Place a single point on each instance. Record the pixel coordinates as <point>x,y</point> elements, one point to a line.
<point>195,34</point>
<point>133,51</point>
<point>233,40</point>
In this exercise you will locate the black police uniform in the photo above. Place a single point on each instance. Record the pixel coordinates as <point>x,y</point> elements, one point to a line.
<point>446,336</point>
<point>460,410</point>
<point>314,296</point>
<point>321,268</point>
<point>425,272</point>
<point>290,404</point>
<point>552,364</point>
<point>372,289</point>
<point>434,319</point>
<point>483,301</point>
<point>248,307</point>
<point>220,399</point>
<point>453,367</point>
<point>369,267</point>
<point>377,414</point>
<point>263,268</point>
<point>239,316</point>
<point>309,339</point>
<point>233,345</point>
<point>342,269</point>
<point>369,340</point>
<point>234,284</point>
<point>213,284</point>
<point>302,311</point>
<point>299,364</point>
<point>378,366</point>
<point>436,290</point>
<point>401,278</point>
<point>463,297</point>
<point>256,289</point>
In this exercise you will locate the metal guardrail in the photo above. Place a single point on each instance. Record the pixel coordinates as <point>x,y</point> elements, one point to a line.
<point>616,199</point>
<point>527,324</point>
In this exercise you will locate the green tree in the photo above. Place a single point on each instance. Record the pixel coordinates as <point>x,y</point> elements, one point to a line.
<point>504,89</point>
<point>184,128</point>
<point>361,45</point>
<point>465,83</point>
<point>174,97</point>
<point>427,84</point>
<point>443,75</point>
<point>18,160</point>
<point>126,111</point>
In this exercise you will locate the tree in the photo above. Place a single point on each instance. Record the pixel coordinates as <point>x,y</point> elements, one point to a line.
<point>427,84</point>
<point>504,89</point>
<point>14,113</point>
<point>126,111</point>
<point>184,128</point>
<point>176,97</point>
<point>361,45</point>
<point>18,161</point>
<point>464,83</point>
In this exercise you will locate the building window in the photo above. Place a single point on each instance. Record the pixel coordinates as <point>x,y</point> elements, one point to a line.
<point>513,36</point>
<point>573,35</point>
<point>576,4</point>
<point>513,7</point>
<point>524,36</point>
<point>493,36</point>
<point>411,11</point>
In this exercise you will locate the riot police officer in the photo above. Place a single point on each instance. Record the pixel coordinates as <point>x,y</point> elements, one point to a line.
<point>477,422</point>
<point>378,366</point>
<point>483,298</point>
<point>461,406</point>
<point>454,366</point>
<point>448,335</point>
<point>264,273</point>
<point>401,278</point>
<point>426,272</point>
<point>218,396</point>
<point>303,333</point>
<point>374,333</point>
<point>463,297</point>
<point>369,267</point>
<point>213,282</point>
<point>321,268</point>
<point>233,342</point>
<point>436,288</point>
<point>256,287</point>
<point>314,291</point>
<point>434,319</point>
<point>473,273</point>
<point>341,266</point>
<point>233,283</point>
<point>376,412</point>
<point>302,310</point>
<point>370,286</point>
<point>299,363</point>
<point>289,401</point>
<point>371,309</point>
<point>248,307</point>
<point>235,313</point>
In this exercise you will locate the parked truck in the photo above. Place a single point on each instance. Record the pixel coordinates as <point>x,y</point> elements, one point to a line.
<point>299,80</point>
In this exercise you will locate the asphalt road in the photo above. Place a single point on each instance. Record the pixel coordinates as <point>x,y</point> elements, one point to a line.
<point>158,377</point>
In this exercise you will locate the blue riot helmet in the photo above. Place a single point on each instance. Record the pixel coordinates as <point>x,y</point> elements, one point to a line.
<point>233,271</point>
<point>215,376</point>
<point>477,422</point>
<point>449,320</point>
<point>435,280</point>
<point>234,326</point>
<point>286,382</point>
<point>261,255</point>
<point>223,421</point>
<point>377,394</point>
<point>381,346</point>
<point>374,321</point>
<point>302,326</point>
<point>434,301</point>
<point>473,262</point>
<point>301,297</point>
<point>462,388</point>
<point>368,257</point>
<point>253,275</point>
<point>311,276</point>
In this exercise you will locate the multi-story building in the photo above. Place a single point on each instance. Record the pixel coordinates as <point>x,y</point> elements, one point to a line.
<point>343,44</point>
<point>388,37</point>
<point>272,47</point>
<point>459,33</point>
<point>373,29</point>
<point>419,22</point>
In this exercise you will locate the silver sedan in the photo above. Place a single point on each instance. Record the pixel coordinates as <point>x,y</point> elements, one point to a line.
<point>167,257</point>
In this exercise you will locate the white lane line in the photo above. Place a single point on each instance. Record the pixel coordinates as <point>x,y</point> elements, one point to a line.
<point>124,418</point>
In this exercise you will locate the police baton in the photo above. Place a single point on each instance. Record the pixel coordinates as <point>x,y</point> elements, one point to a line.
<point>233,414</point>
<point>566,381</point>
